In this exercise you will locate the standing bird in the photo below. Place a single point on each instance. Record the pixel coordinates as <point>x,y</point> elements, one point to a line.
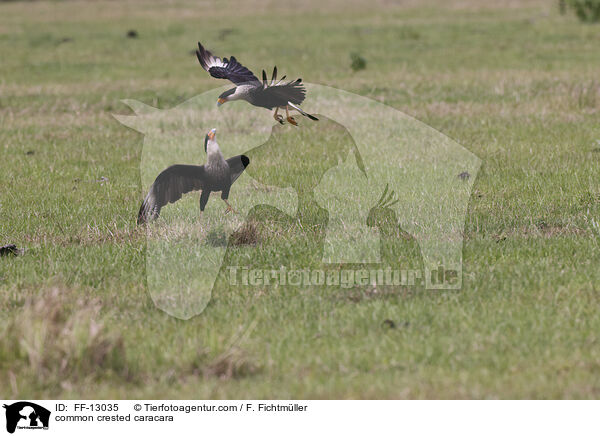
<point>273,95</point>
<point>217,175</point>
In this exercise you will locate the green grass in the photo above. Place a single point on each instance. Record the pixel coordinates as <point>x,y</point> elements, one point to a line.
<point>516,86</point>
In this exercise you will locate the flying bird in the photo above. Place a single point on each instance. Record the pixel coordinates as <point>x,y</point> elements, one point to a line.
<point>218,174</point>
<point>271,94</point>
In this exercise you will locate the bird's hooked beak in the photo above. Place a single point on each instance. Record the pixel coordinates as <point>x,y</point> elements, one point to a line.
<point>220,101</point>
<point>209,137</point>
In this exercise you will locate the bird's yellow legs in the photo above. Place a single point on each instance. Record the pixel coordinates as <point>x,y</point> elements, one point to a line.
<point>229,208</point>
<point>290,119</point>
<point>277,117</point>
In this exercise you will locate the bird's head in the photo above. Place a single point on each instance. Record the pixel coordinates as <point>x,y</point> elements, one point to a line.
<point>225,97</point>
<point>210,136</point>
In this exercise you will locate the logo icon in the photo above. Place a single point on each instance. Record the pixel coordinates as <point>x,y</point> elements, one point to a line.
<point>26,415</point>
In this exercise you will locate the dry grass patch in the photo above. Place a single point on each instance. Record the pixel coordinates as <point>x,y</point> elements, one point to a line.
<point>56,340</point>
<point>248,234</point>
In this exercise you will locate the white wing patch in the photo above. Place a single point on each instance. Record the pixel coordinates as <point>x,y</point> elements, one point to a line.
<point>214,61</point>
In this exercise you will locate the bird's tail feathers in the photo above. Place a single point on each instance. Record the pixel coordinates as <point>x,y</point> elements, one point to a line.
<point>306,114</point>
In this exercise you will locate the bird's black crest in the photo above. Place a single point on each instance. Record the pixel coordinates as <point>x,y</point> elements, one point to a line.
<point>227,93</point>
<point>205,142</point>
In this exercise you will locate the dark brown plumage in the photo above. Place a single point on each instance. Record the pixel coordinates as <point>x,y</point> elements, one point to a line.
<point>270,95</point>
<point>216,175</point>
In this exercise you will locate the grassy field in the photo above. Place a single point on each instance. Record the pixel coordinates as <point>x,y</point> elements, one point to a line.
<point>517,85</point>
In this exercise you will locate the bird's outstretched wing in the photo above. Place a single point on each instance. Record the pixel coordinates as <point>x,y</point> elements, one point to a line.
<point>237,165</point>
<point>224,68</point>
<point>294,92</point>
<point>278,93</point>
<point>169,186</point>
